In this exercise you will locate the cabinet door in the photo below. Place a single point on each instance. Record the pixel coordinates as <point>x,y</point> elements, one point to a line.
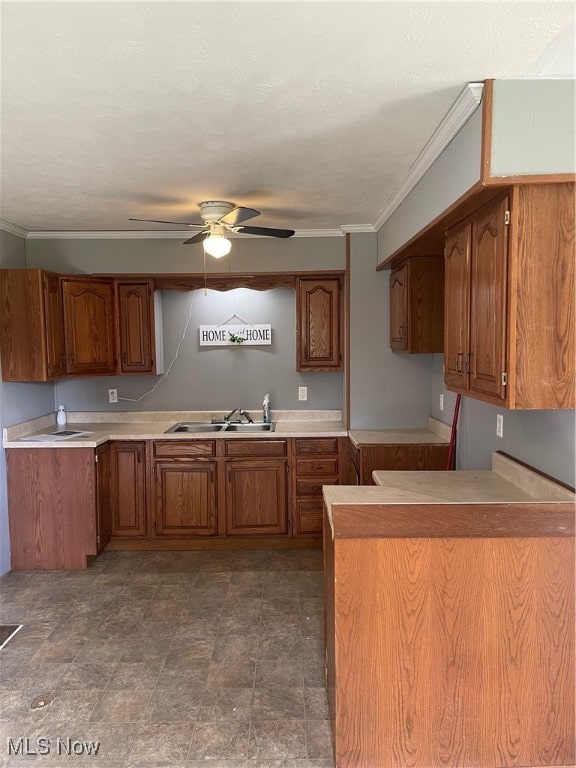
<point>436,457</point>
<point>104,496</point>
<point>256,497</point>
<point>185,498</point>
<point>488,299</point>
<point>128,489</point>
<point>54,326</point>
<point>31,325</point>
<point>319,318</point>
<point>89,326</point>
<point>457,305</point>
<point>399,309</point>
<point>135,313</point>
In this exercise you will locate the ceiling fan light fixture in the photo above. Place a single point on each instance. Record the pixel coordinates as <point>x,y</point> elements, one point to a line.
<point>216,244</point>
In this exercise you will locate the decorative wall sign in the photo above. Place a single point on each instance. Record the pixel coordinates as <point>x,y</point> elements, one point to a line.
<point>230,335</point>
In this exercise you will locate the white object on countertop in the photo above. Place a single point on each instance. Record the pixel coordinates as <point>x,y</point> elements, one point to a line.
<point>266,409</point>
<point>61,415</point>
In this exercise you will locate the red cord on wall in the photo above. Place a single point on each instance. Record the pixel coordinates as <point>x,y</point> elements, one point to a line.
<point>451,456</point>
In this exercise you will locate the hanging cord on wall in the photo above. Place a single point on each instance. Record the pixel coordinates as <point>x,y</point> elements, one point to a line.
<point>165,375</point>
<point>450,463</point>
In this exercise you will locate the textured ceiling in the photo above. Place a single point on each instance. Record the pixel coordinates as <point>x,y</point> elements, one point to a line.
<point>310,112</point>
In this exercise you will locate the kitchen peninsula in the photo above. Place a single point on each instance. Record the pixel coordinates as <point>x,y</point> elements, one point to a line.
<point>450,619</point>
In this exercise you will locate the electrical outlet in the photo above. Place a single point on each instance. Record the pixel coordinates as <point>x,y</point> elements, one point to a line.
<point>302,393</point>
<point>112,395</point>
<point>499,425</point>
<point>441,402</point>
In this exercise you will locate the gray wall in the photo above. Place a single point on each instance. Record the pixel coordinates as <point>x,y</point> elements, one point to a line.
<point>543,439</point>
<point>216,378</point>
<point>162,255</point>
<point>202,377</point>
<point>386,389</point>
<point>533,127</point>
<point>450,176</point>
<point>18,402</point>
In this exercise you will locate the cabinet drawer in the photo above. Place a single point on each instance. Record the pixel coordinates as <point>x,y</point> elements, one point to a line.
<point>314,487</point>
<point>306,446</point>
<point>256,448</point>
<point>183,448</point>
<point>309,517</point>
<point>311,467</point>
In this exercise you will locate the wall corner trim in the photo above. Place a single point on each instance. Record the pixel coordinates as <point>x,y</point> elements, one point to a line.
<point>461,110</point>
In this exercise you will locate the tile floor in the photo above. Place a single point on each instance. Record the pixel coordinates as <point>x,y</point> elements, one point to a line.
<point>168,659</point>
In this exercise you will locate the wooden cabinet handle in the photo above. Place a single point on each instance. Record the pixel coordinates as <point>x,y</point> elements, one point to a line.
<point>458,365</point>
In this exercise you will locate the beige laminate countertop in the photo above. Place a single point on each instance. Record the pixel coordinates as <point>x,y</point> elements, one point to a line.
<point>437,432</point>
<point>155,429</point>
<point>508,482</point>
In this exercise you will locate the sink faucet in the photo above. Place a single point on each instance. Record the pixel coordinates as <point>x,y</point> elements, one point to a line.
<point>241,412</point>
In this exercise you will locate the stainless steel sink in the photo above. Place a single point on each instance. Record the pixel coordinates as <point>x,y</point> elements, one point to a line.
<point>202,427</point>
<point>196,427</point>
<point>256,427</point>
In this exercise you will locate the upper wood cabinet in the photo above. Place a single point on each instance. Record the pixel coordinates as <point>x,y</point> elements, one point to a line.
<point>509,331</point>
<point>136,327</point>
<point>31,325</point>
<point>89,325</point>
<point>417,305</point>
<point>319,318</point>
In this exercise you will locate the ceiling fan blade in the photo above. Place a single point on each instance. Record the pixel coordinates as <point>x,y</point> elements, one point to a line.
<point>158,221</point>
<point>265,231</point>
<point>238,215</point>
<point>196,239</point>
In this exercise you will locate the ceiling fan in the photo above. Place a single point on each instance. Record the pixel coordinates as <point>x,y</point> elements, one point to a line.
<point>218,217</point>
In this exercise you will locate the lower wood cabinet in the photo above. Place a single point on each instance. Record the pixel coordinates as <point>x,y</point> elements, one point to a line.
<point>316,462</point>
<point>256,497</point>
<point>128,483</point>
<point>185,498</point>
<point>364,459</point>
<point>54,508</point>
<point>103,496</point>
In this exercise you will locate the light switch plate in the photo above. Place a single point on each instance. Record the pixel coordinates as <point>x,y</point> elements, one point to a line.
<point>302,393</point>
<point>499,425</point>
<point>441,402</point>
<point>112,395</point>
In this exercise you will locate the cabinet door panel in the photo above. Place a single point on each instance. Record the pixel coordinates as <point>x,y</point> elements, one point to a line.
<point>308,517</point>
<point>128,489</point>
<point>135,311</point>
<point>399,309</point>
<point>256,497</point>
<point>89,326</point>
<point>457,305</point>
<point>436,457</point>
<point>104,496</point>
<point>185,498</point>
<point>54,324</point>
<point>488,299</point>
<point>319,321</point>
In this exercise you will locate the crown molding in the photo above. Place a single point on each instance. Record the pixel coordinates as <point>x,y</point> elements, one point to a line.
<point>119,234</point>
<point>13,229</point>
<point>357,228</point>
<point>318,233</point>
<point>156,234</point>
<point>463,107</point>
